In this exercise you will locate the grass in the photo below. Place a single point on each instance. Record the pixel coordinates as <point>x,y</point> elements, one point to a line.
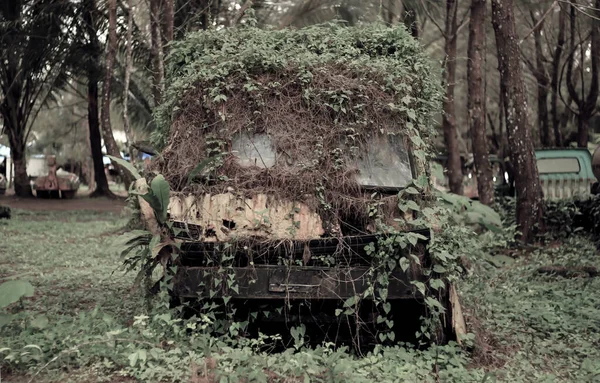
<point>539,327</point>
<point>85,323</point>
<point>68,257</point>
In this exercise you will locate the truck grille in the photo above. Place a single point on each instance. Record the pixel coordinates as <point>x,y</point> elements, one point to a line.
<point>326,252</point>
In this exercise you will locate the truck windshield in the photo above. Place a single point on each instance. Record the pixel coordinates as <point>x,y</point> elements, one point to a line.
<point>384,164</point>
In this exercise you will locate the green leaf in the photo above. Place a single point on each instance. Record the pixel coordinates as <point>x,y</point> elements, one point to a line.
<point>387,307</point>
<point>431,302</point>
<point>133,359</point>
<point>161,191</point>
<point>127,166</point>
<point>12,291</point>
<point>420,286</point>
<point>412,205</point>
<point>436,284</point>
<point>350,302</point>
<point>404,263</point>
<point>153,201</point>
<point>40,322</point>
<point>157,248</point>
<point>383,294</point>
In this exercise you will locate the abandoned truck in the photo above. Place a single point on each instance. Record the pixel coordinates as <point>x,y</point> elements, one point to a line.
<point>291,158</point>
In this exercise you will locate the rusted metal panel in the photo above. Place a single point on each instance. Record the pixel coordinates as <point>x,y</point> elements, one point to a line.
<point>226,216</point>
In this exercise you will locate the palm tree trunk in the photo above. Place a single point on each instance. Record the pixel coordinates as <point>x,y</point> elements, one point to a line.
<point>128,69</point>
<point>109,139</point>
<point>93,57</point>
<point>12,100</point>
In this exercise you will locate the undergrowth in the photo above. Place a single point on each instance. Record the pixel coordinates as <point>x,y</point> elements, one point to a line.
<point>84,322</point>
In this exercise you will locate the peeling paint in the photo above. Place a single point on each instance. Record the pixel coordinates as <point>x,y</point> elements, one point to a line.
<point>226,216</point>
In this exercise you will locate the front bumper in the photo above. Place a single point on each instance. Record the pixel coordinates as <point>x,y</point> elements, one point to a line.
<point>279,282</point>
<point>324,268</point>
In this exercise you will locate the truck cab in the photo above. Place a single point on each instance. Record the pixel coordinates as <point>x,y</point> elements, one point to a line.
<point>565,173</point>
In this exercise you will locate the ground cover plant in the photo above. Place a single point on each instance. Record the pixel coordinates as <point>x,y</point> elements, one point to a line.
<point>85,323</point>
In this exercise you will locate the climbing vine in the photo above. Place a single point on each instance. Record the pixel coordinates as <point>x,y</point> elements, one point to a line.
<point>319,98</point>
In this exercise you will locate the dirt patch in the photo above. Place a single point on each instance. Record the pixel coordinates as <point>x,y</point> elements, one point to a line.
<point>81,202</point>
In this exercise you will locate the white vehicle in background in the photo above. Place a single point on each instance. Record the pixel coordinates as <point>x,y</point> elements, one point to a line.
<point>37,167</point>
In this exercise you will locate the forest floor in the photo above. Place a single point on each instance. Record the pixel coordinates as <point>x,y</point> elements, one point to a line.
<point>81,202</point>
<point>86,323</point>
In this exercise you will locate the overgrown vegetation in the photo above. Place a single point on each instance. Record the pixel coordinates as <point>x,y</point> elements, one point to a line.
<point>318,93</point>
<point>85,323</point>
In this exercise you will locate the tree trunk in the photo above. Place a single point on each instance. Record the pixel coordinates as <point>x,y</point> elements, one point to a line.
<point>11,110</point>
<point>455,176</point>
<point>476,102</point>
<point>93,75</point>
<point>169,19</point>
<point>390,13</point>
<point>585,104</point>
<point>21,180</point>
<point>410,19</point>
<point>527,183</point>
<point>157,51</point>
<point>16,138</point>
<point>560,42</point>
<point>543,82</point>
<point>542,109</point>
<point>587,110</point>
<point>128,69</point>
<point>109,139</point>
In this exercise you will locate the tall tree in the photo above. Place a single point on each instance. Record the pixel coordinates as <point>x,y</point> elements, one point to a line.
<point>527,183</point>
<point>554,82</point>
<point>455,176</point>
<point>34,37</point>
<point>541,76</point>
<point>586,104</point>
<point>128,70</point>
<point>476,102</point>
<point>107,133</point>
<point>410,18</point>
<point>92,58</point>
<point>156,51</point>
<point>169,19</point>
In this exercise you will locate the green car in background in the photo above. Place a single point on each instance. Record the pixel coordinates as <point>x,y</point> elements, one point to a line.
<point>564,173</point>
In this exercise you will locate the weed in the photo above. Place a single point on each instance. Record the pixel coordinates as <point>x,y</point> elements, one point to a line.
<point>84,323</point>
